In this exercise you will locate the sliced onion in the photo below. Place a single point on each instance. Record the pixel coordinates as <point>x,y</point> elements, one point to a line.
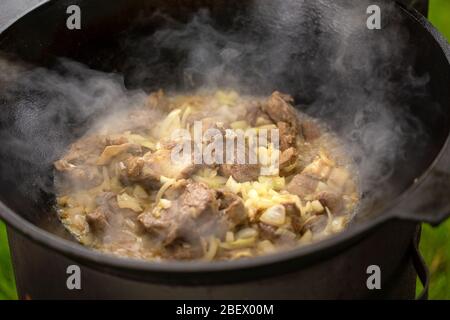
<point>266,246</point>
<point>229,237</point>
<point>124,201</point>
<point>306,238</point>
<point>213,246</point>
<point>110,152</point>
<point>246,233</point>
<point>274,216</point>
<point>238,244</point>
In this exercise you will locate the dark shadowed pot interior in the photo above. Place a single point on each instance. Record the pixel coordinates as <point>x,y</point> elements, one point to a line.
<point>408,78</point>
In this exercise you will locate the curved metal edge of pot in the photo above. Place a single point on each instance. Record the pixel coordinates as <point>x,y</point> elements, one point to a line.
<point>11,23</point>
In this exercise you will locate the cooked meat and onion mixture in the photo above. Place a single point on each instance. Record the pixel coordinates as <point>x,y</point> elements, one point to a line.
<point>121,191</point>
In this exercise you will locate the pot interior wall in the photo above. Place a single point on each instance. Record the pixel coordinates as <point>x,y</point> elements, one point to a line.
<point>40,37</point>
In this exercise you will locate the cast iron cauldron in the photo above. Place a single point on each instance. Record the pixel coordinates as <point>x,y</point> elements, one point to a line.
<point>381,234</point>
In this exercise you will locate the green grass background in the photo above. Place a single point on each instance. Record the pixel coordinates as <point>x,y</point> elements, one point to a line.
<point>7,287</point>
<point>435,244</point>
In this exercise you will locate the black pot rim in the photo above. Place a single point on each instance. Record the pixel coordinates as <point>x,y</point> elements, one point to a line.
<point>319,250</point>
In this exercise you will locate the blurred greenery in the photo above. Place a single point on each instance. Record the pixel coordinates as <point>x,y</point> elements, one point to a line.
<point>439,15</point>
<point>7,286</point>
<point>435,248</point>
<point>435,244</point>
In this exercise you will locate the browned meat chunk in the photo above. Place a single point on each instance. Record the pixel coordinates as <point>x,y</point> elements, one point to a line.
<point>288,136</point>
<point>311,130</point>
<point>294,214</point>
<point>198,199</point>
<point>108,214</point>
<point>232,208</point>
<point>273,234</point>
<point>240,172</point>
<point>255,115</point>
<point>287,158</point>
<point>197,212</point>
<point>165,227</point>
<point>302,185</point>
<point>133,168</point>
<point>85,150</point>
<point>193,215</point>
<point>267,231</point>
<point>332,201</point>
<point>97,219</point>
<point>279,109</point>
<point>149,168</point>
<point>72,176</point>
